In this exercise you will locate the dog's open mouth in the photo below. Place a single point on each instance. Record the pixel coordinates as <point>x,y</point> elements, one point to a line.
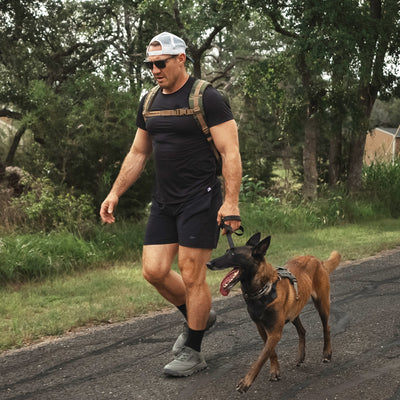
<point>229,281</point>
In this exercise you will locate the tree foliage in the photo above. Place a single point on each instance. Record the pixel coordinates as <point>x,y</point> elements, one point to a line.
<point>302,77</point>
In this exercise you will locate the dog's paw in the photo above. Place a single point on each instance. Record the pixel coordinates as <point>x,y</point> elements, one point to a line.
<point>300,358</point>
<point>275,377</point>
<point>242,387</point>
<point>327,357</point>
<point>299,362</point>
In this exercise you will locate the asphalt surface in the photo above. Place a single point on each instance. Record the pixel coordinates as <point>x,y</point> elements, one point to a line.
<point>125,361</point>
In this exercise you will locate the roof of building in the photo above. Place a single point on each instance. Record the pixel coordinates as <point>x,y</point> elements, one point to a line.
<point>390,131</point>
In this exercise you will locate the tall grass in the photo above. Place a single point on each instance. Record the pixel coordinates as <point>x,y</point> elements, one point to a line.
<point>334,208</point>
<point>381,182</point>
<point>42,255</point>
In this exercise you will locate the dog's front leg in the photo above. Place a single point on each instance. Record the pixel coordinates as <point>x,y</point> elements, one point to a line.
<point>267,352</point>
<point>274,370</point>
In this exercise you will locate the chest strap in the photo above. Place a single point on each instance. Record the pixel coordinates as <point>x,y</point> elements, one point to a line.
<point>168,113</point>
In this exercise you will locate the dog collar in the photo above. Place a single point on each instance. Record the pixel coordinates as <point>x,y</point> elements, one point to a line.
<point>264,291</point>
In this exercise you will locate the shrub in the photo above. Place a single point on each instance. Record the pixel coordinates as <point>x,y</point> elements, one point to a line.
<point>251,189</point>
<point>44,207</point>
<point>36,256</point>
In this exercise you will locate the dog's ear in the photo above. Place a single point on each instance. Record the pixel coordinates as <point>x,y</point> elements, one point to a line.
<point>261,248</point>
<point>254,240</point>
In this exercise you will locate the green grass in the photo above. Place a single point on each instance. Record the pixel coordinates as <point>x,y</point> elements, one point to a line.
<point>32,311</point>
<point>36,256</point>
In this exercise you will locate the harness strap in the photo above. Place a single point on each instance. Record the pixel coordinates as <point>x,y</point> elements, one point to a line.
<point>167,113</point>
<point>285,273</point>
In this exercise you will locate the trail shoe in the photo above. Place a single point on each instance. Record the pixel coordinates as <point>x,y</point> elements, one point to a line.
<point>186,363</point>
<point>180,342</point>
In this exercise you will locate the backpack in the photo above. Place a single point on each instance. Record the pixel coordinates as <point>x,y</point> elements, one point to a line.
<point>195,109</point>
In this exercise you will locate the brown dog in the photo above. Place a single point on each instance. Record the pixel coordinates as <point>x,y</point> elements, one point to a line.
<point>276,296</point>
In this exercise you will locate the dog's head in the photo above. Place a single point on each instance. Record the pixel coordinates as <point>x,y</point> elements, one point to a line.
<point>244,260</point>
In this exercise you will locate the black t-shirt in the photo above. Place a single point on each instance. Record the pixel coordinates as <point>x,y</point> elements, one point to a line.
<point>185,163</point>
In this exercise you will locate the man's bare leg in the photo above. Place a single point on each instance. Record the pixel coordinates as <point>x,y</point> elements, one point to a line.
<point>157,261</point>
<point>189,359</point>
<point>192,263</point>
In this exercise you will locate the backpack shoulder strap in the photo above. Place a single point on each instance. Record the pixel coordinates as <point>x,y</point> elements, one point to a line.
<point>149,101</point>
<point>196,104</point>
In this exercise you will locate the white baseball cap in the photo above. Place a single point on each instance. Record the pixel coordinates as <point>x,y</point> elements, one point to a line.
<point>170,44</point>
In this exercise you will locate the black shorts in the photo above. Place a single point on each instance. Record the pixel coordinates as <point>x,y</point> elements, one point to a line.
<point>191,224</point>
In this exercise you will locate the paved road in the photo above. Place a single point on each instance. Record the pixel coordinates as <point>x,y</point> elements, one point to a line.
<point>125,361</point>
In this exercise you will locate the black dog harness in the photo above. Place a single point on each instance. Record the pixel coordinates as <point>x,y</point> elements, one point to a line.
<point>268,292</point>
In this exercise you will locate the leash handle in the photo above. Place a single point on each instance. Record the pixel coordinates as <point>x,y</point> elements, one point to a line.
<point>229,230</point>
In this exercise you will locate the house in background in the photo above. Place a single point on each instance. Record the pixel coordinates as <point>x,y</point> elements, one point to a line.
<point>382,144</point>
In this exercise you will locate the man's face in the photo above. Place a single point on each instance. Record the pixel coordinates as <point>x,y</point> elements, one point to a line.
<point>168,76</point>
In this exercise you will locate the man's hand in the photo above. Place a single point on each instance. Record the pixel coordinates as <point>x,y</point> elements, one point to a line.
<point>225,210</point>
<point>107,208</point>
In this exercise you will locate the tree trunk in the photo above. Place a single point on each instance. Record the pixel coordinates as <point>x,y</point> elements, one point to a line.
<point>197,66</point>
<point>357,146</point>
<point>310,158</point>
<point>14,145</point>
<point>2,171</point>
<point>335,152</point>
<point>368,95</point>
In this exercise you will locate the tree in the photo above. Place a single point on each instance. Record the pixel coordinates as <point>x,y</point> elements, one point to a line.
<point>273,120</point>
<point>341,50</point>
<point>89,126</point>
<point>299,23</point>
<point>48,41</point>
<point>378,41</point>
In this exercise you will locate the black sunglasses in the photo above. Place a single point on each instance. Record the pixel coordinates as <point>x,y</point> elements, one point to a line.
<point>160,64</point>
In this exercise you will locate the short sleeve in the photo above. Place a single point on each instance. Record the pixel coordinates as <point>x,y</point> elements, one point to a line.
<point>140,122</point>
<point>216,109</point>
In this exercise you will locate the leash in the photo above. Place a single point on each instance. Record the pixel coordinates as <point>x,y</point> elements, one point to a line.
<point>229,230</point>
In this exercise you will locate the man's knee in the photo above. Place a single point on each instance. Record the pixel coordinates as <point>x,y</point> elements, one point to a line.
<point>193,272</point>
<point>156,262</point>
<point>154,273</point>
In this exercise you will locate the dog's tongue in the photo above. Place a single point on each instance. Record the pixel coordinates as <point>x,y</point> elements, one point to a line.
<point>225,288</point>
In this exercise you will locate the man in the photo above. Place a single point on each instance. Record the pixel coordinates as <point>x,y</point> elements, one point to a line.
<point>187,204</point>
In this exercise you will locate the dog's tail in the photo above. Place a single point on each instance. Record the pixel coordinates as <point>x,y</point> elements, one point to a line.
<point>332,262</point>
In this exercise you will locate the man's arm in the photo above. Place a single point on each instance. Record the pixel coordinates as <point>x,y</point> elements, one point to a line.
<point>225,137</point>
<point>130,171</point>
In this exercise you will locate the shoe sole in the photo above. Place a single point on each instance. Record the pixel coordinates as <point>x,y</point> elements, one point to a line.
<point>196,368</point>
